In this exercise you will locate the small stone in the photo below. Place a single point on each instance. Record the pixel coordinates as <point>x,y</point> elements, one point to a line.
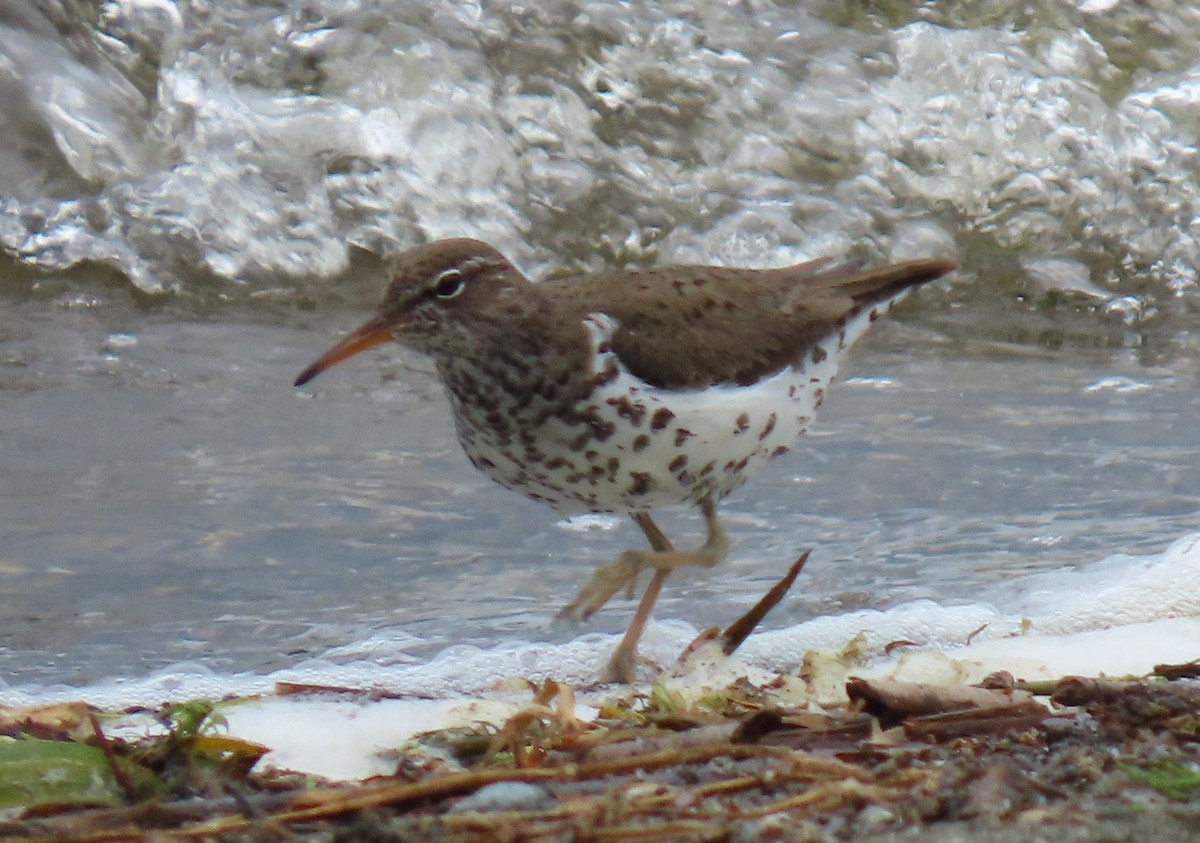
<point>505,796</point>
<point>875,816</point>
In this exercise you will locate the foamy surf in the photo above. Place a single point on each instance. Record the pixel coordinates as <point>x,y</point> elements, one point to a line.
<point>1122,592</point>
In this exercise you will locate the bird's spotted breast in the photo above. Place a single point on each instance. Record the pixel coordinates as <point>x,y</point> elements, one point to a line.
<point>628,446</point>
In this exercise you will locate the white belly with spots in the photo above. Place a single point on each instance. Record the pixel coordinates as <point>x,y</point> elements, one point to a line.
<point>647,447</point>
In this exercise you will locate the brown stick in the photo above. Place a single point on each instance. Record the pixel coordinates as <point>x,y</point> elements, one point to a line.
<point>740,630</point>
<point>119,773</point>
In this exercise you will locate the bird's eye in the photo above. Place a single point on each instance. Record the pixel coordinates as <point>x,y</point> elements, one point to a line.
<point>449,284</point>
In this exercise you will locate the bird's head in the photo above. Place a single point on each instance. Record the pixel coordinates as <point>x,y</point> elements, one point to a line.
<point>435,290</point>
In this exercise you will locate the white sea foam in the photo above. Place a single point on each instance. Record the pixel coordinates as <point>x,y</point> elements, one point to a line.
<point>1120,595</point>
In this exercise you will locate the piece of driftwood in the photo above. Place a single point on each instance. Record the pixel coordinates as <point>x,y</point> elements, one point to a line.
<point>1129,705</point>
<point>893,702</point>
<point>1187,670</point>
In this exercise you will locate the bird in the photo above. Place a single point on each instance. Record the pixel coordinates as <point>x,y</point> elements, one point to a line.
<point>625,391</point>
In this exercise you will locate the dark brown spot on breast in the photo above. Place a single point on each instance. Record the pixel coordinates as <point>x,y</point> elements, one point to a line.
<point>609,374</point>
<point>640,443</point>
<point>818,354</point>
<point>780,451</point>
<point>743,422</point>
<point>642,483</point>
<point>601,428</point>
<point>678,463</point>
<point>770,425</point>
<point>661,418</point>
<point>614,465</point>
<point>635,411</point>
<point>682,435</point>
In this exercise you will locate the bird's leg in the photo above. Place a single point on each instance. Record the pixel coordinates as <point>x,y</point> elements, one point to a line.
<point>658,541</point>
<point>622,664</point>
<point>655,536</point>
<point>608,580</point>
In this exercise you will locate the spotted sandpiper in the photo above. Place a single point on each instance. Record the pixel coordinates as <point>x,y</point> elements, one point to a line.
<point>631,390</point>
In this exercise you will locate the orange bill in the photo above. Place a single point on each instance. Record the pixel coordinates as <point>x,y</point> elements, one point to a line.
<point>369,335</point>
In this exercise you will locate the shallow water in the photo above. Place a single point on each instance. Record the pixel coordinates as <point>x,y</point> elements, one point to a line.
<point>190,208</point>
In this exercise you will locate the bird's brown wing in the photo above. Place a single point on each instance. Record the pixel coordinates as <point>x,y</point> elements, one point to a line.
<point>688,327</point>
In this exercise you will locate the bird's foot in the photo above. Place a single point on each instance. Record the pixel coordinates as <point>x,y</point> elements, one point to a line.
<point>621,667</point>
<point>606,581</point>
